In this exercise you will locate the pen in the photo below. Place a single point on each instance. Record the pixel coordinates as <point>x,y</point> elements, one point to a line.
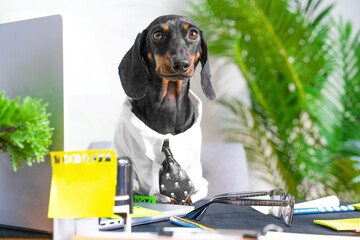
<point>342,208</point>
<point>186,223</point>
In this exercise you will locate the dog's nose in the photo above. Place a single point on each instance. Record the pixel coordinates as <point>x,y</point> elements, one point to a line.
<point>180,66</point>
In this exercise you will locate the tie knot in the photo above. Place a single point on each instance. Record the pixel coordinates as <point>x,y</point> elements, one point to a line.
<point>166,148</point>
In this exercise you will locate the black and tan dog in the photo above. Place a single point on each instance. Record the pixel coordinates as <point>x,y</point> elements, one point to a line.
<point>155,74</point>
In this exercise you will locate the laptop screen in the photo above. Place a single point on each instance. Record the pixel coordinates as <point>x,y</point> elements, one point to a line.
<point>31,64</point>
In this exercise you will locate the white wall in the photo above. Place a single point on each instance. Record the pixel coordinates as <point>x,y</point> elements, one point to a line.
<point>347,9</point>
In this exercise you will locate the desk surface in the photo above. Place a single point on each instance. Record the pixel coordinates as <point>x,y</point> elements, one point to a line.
<point>6,232</point>
<point>223,216</point>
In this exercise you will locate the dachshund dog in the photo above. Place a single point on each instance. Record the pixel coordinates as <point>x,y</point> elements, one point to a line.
<point>155,74</point>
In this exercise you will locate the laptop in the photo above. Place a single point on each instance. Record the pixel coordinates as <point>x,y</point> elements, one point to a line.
<point>167,210</point>
<point>31,64</point>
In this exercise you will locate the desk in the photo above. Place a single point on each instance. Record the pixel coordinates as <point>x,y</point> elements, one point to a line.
<point>6,232</point>
<point>224,216</point>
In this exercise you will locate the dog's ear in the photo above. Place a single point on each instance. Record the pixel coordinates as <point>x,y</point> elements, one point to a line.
<point>205,71</point>
<point>133,71</point>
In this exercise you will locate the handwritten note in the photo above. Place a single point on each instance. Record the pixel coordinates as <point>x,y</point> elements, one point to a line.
<point>83,184</point>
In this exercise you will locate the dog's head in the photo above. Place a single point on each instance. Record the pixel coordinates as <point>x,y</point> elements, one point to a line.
<point>169,48</point>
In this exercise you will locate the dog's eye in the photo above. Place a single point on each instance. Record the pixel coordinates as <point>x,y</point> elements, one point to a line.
<point>193,34</point>
<point>158,35</point>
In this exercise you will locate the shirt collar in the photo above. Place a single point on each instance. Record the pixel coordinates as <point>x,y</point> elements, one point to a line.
<point>150,141</point>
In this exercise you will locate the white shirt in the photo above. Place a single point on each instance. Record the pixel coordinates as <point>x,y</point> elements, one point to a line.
<point>143,146</point>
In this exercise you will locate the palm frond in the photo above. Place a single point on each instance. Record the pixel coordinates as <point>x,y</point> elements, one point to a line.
<point>246,129</point>
<point>303,87</point>
<point>340,100</point>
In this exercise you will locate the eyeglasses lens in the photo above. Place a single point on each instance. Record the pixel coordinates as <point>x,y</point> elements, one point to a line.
<point>288,211</point>
<point>276,194</point>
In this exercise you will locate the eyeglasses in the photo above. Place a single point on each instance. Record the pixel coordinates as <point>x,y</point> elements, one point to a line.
<point>282,205</point>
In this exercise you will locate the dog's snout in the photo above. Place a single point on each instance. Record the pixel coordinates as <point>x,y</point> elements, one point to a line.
<point>180,65</point>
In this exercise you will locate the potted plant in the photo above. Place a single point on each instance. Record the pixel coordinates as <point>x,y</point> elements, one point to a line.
<point>25,132</point>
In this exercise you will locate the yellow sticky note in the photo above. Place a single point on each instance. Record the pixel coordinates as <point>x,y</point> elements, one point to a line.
<point>349,224</point>
<point>139,212</point>
<point>83,184</point>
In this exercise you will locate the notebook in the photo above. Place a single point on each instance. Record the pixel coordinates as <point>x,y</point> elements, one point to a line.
<point>157,212</point>
<point>349,224</point>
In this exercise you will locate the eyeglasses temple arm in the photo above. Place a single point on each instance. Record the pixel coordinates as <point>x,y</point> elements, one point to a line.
<point>199,212</point>
<point>241,194</point>
<point>256,202</point>
<point>195,214</point>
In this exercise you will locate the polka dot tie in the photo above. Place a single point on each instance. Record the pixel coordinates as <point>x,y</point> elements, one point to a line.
<point>173,180</point>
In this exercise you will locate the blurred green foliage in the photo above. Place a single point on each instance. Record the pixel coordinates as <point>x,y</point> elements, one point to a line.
<point>302,68</point>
